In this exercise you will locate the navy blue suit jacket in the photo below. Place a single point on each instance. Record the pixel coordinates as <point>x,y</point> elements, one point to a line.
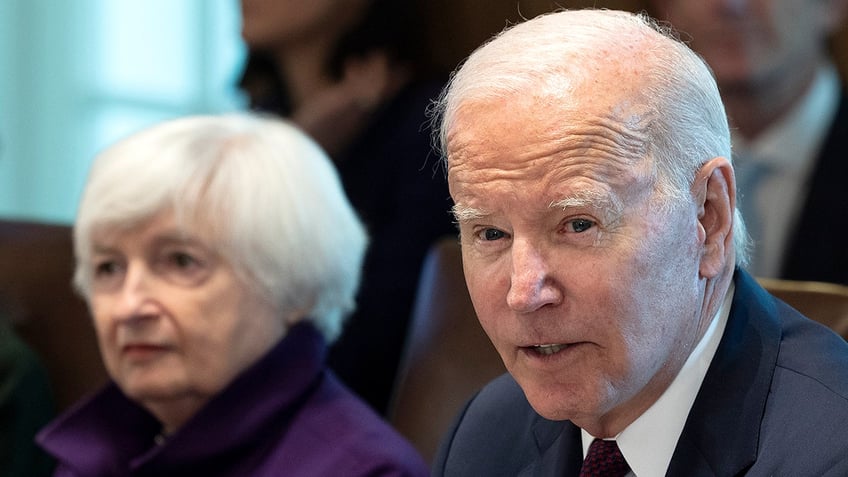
<point>773,402</point>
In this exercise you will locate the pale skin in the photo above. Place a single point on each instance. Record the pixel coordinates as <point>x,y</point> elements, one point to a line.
<point>174,323</point>
<point>592,295</point>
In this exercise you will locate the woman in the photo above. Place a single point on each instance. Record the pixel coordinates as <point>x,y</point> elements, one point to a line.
<point>218,256</point>
<point>356,75</point>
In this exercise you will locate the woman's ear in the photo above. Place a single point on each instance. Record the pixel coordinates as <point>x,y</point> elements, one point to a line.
<point>714,191</point>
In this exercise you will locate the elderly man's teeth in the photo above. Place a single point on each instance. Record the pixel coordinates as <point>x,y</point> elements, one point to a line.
<point>549,349</point>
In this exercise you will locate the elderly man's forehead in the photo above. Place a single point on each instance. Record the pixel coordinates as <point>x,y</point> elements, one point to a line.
<point>612,87</point>
<point>583,121</point>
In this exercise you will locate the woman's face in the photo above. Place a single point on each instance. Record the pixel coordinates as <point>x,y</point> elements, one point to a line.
<point>174,323</point>
<point>275,24</point>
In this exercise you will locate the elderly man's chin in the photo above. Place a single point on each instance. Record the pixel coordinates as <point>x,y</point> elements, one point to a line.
<point>560,402</point>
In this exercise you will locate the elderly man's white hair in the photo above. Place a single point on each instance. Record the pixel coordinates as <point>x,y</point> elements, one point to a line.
<point>269,196</point>
<point>679,104</point>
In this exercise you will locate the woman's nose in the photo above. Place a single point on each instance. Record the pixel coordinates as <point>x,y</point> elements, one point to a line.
<point>134,298</point>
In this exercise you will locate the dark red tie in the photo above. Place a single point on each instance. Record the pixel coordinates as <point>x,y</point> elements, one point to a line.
<point>604,459</point>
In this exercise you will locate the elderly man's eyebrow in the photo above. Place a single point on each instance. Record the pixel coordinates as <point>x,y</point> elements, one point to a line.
<point>590,199</point>
<point>462,213</point>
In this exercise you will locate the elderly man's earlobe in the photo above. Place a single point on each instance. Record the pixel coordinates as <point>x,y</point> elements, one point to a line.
<point>714,190</point>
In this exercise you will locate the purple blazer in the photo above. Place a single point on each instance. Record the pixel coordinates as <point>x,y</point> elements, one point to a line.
<point>285,415</point>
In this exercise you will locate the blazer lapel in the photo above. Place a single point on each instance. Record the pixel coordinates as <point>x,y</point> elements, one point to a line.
<point>721,433</point>
<point>560,450</point>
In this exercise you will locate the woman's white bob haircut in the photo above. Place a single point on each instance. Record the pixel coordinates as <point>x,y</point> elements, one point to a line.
<point>266,197</point>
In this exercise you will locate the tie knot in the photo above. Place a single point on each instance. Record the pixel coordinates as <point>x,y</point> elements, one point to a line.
<point>604,459</point>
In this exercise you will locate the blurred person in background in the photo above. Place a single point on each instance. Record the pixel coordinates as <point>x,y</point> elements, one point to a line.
<point>356,75</point>
<point>789,117</point>
<point>219,256</point>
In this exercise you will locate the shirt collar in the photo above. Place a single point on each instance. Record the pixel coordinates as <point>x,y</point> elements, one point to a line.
<point>649,442</point>
<point>792,143</point>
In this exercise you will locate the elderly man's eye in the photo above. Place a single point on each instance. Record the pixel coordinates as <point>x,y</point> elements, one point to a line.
<point>492,234</point>
<point>579,225</point>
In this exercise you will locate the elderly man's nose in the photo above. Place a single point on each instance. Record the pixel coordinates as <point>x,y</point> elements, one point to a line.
<point>531,285</point>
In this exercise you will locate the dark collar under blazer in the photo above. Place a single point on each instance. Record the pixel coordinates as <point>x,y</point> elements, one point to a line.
<point>773,402</point>
<point>818,247</point>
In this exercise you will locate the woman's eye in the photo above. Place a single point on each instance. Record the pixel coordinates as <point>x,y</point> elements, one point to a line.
<point>107,273</point>
<point>579,225</point>
<point>182,267</point>
<point>182,260</point>
<point>105,268</point>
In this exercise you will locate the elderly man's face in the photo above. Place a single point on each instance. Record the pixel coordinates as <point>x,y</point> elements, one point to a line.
<point>588,289</point>
<point>174,323</point>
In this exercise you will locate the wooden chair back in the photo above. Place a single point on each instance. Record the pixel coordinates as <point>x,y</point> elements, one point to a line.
<point>826,303</point>
<point>448,356</point>
<point>36,267</point>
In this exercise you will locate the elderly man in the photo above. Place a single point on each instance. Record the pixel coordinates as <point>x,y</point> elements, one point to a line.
<point>587,156</point>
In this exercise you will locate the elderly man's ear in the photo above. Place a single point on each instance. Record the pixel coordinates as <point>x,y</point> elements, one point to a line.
<point>714,190</point>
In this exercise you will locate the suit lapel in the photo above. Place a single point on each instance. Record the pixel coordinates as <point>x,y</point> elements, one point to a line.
<point>560,450</point>
<point>721,434</point>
